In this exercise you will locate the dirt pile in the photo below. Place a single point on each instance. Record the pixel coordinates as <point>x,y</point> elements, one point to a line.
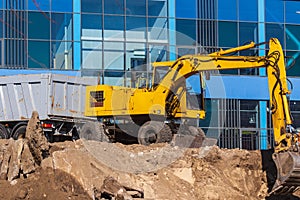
<point>43,184</point>
<point>160,171</point>
<point>21,176</point>
<point>205,173</point>
<point>22,157</point>
<point>31,168</point>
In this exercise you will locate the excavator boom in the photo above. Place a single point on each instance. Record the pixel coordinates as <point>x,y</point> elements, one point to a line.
<point>286,156</point>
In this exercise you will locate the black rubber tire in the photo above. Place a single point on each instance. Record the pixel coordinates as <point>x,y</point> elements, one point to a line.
<point>19,131</point>
<point>93,131</point>
<point>150,133</point>
<point>3,132</point>
<point>166,134</point>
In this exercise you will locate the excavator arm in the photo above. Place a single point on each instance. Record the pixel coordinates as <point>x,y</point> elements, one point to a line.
<point>286,156</point>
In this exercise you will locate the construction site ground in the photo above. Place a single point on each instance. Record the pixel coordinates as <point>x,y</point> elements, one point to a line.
<point>32,168</point>
<point>73,170</point>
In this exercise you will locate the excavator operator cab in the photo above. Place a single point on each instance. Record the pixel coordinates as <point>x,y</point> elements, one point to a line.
<point>186,95</point>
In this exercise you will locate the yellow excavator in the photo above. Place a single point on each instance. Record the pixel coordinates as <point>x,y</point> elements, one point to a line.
<point>160,106</point>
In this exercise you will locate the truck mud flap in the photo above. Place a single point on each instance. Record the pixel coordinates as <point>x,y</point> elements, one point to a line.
<point>288,173</point>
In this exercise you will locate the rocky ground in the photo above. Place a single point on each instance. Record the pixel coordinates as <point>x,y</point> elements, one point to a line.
<point>31,168</point>
<point>72,171</point>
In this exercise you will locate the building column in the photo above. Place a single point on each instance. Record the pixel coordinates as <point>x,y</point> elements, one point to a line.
<point>172,30</point>
<point>262,72</point>
<point>76,35</point>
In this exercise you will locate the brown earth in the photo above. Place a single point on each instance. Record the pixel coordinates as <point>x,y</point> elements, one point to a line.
<point>73,171</point>
<point>43,184</point>
<point>31,168</point>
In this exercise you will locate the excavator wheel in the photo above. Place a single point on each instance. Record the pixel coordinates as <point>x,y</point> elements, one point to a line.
<point>154,132</point>
<point>93,131</point>
<point>165,134</point>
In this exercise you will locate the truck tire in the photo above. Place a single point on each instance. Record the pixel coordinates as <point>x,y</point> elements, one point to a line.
<point>3,132</point>
<point>93,131</point>
<point>19,131</point>
<point>154,132</point>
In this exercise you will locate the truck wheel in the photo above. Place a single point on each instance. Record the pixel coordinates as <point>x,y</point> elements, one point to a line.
<point>19,131</point>
<point>93,131</point>
<point>154,132</point>
<point>3,132</point>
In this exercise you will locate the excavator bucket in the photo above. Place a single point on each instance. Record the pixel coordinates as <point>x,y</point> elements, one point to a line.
<point>288,173</point>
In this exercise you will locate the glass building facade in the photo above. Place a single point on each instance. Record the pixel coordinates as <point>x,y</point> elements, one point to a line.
<point>117,39</point>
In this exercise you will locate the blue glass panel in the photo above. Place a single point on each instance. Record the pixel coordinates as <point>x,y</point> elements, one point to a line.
<point>91,54</point>
<point>62,6</point>
<point>185,32</point>
<point>136,28</point>
<point>292,37</point>
<point>135,23</point>
<point>91,26</point>
<point>275,30</point>
<point>36,57</point>
<point>91,6</point>
<point>158,28</point>
<point>91,21</point>
<point>186,8</point>
<point>135,56</point>
<point>228,36</point>
<point>293,70</point>
<point>2,24</point>
<point>62,55</point>
<point>292,12</point>
<point>227,9</point>
<point>274,11</point>
<point>61,26</point>
<point>114,7</point>
<point>39,25</point>
<point>114,27</point>
<point>134,7</point>
<point>185,51</point>
<point>248,10</point>
<point>247,33</point>
<point>41,5</point>
<point>114,55</point>
<point>1,4</point>
<point>157,8</point>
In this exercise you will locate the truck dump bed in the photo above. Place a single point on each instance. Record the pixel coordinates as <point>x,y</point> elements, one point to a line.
<point>52,95</point>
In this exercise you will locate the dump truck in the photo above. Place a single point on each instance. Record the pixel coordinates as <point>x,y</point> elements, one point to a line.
<point>59,100</point>
<point>160,108</point>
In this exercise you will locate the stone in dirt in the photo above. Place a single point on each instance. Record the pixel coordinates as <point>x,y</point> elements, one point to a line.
<point>111,188</point>
<point>37,141</point>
